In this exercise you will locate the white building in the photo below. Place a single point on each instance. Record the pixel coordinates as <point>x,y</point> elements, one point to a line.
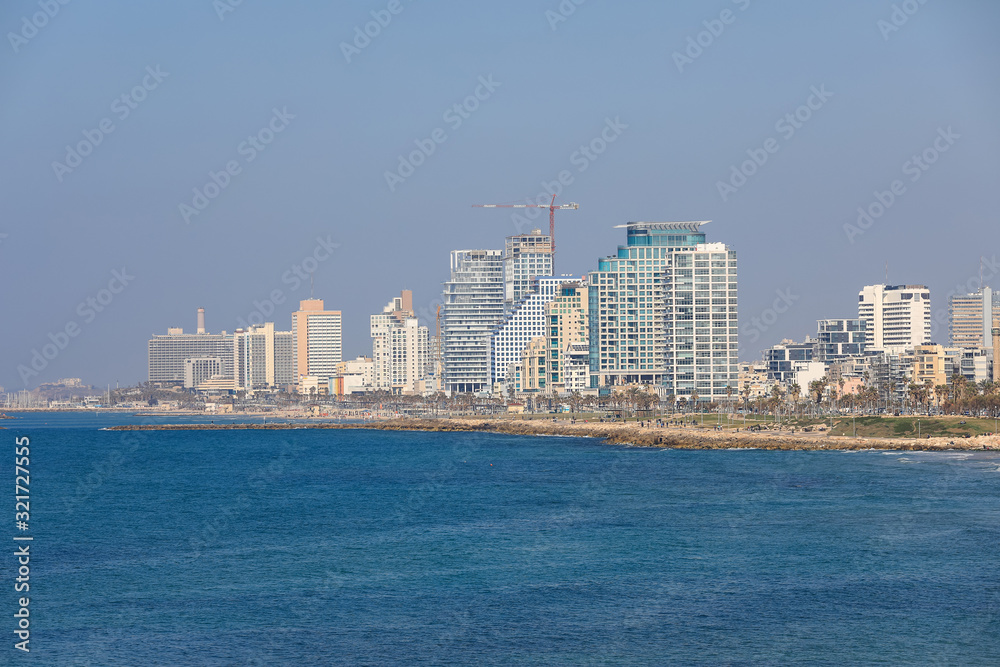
<point>525,321</point>
<point>353,376</point>
<point>526,257</point>
<point>263,359</point>
<point>199,369</point>
<point>898,317</point>
<point>400,347</point>
<point>167,353</point>
<point>701,351</point>
<point>473,304</point>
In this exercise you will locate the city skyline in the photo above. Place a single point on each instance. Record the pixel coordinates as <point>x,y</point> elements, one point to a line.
<point>145,179</point>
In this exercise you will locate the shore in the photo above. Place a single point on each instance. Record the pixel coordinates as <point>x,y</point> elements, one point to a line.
<point>621,434</point>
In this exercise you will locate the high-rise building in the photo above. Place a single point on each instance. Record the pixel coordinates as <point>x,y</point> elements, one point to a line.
<point>401,353</point>
<point>473,304</point>
<point>996,350</point>
<point>970,318</point>
<point>526,257</point>
<point>702,344</point>
<point>567,328</point>
<point>627,308</point>
<point>839,339</point>
<point>264,359</point>
<point>526,320</point>
<point>898,317</point>
<point>663,311</point>
<point>167,353</point>
<point>318,340</point>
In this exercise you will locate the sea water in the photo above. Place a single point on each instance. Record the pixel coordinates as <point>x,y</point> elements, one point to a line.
<point>313,547</point>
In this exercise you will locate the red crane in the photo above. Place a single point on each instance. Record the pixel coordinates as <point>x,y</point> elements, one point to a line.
<point>572,206</point>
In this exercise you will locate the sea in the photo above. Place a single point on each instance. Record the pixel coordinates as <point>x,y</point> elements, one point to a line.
<point>319,547</point>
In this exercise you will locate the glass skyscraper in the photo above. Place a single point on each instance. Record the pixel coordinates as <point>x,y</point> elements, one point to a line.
<point>663,311</point>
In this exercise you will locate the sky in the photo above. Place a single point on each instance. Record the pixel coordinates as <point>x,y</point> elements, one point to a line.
<point>161,157</point>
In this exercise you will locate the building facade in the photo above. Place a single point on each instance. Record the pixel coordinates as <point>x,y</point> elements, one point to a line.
<point>524,321</point>
<point>401,350</point>
<point>970,318</point>
<point>567,328</point>
<point>839,339</point>
<point>533,377</point>
<point>167,353</point>
<point>781,359</point>
<point>526,257</point>
<point>473,304</point>
<point>199,369</point>
<point>630,299</point>
<point>897,317</point>
<point>701,316</point>
<point>263,359</point>
<point>317,335</point>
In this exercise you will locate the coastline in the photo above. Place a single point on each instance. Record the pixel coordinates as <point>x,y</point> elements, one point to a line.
<point>629,434</point>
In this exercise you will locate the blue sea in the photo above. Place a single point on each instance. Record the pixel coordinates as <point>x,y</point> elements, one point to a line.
<point>305,547</point>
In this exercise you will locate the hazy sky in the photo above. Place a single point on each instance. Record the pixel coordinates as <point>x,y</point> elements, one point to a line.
<point>199,81</point>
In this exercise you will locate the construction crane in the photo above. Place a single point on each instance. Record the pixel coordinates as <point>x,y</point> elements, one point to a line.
<point>572,206</point>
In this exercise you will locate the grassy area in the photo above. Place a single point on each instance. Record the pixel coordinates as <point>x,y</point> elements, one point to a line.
<point>907,427</point>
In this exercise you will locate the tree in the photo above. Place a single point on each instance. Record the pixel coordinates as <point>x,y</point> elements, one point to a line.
<point>817,388</point>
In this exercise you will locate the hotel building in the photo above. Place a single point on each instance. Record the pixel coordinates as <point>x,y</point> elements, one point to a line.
<point>317,338</point>
<point>264,359</point>
<point>167,353</point>
<point>663,311</point>
<point>897,317</point>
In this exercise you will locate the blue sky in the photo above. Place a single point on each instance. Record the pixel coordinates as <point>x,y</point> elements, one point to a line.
<point>219,81</point>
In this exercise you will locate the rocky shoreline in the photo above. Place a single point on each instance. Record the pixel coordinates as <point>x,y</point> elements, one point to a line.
<point>620,434</point>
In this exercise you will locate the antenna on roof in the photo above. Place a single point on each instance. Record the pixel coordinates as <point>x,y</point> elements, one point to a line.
<point>312,280</point>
